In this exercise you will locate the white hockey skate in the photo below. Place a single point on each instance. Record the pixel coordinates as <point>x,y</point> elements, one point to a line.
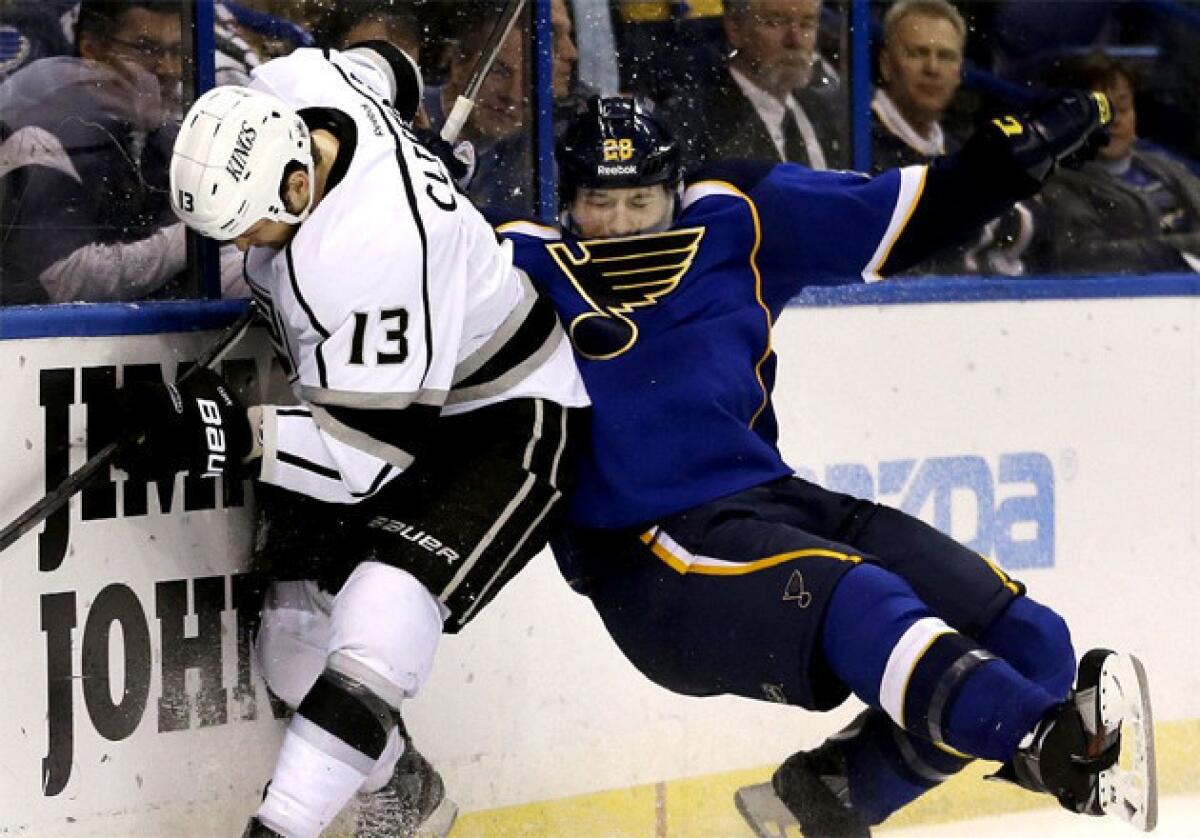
<point>1129,789</point>
<point>1095,752</point>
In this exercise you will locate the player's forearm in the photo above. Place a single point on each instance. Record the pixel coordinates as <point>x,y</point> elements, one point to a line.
<point>957,201</point>
<point>117,272</point>
<point>403,76</point>
<point>1005,161</point>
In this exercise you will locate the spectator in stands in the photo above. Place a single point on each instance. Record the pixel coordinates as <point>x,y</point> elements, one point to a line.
<point>499,124</point>
<point>276,27</point>
<point>33,29</point>
<point>667,47</point>
<point>394,21</point>
<point>762,106</point>
<point>497,127</point>
<point>1131,210</point>
<point>132,37</point>
<point>563,49</point>
<point>85,143</point>
<point>235,56</point>
<point>1022,36</point>
<point>920,70</point>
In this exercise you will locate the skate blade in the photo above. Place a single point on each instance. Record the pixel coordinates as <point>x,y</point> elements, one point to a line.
<point>765,812</point>
<point>1129,790</point>
<point>438,824</point>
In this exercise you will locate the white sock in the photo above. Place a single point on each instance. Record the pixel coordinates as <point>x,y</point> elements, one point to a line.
<point>315,776</point>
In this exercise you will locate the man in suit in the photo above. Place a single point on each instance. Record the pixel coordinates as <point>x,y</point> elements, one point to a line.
<point>920,69</point>
<point>920,66</point>
<point>765,104</point>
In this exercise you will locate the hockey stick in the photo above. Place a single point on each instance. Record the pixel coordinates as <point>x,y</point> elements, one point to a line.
<point>465,102</point>
<point>101,460</point>
<point>463,106</point>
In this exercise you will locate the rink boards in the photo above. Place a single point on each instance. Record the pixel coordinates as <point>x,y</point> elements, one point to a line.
<point>1057,436</point>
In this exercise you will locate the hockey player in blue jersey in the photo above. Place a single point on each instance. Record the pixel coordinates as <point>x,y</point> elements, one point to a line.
<point>714,568</point>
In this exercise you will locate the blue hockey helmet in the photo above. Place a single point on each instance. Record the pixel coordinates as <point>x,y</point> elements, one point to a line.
<point>613,142</point>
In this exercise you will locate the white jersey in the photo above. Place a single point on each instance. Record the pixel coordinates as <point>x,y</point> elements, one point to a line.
<point>394,303</point>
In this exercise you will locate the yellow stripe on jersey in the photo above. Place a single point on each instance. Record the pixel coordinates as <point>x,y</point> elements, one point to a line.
<point>1004,577</point>
<point>683,561</point>
<point>878,263</point>
<point>529,228</point>
<point>733,190</point>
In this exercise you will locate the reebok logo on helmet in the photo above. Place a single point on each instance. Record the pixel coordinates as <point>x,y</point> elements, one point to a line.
<point>236,165</point>
<point>616,170</point>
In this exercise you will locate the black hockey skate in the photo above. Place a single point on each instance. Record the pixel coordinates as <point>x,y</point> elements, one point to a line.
<point>413,804</point>
<point>809,791</point>
<point>1095,752</point>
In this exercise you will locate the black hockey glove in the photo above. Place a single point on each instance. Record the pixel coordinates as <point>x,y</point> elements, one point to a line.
<point>459,159</point>
<point>1069,130</point>
<point>197,426</point>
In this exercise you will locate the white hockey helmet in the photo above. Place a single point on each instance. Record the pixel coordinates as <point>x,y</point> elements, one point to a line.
<point>229,160</point>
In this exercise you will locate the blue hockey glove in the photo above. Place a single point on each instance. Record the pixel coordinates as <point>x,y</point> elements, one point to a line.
<point>197,425</point>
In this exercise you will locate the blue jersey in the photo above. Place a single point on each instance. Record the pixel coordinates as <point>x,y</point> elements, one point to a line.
<point>672,330</point>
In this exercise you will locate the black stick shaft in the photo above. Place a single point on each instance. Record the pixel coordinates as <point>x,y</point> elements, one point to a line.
<point>99,462</point>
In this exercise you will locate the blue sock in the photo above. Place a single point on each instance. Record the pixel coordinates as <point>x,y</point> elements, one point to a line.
<point>868,613</point>
<point>942,687</point>
<point>995,707</point>
<point>887,768</point>
<point>1037,642</point>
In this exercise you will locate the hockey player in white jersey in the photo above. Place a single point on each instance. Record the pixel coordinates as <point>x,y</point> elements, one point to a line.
<point>438,401</point>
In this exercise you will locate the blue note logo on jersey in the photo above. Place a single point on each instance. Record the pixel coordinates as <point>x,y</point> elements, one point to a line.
<point>616,276</point>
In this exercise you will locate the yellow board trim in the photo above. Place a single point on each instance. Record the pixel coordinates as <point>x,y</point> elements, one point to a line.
<point>702,807</point>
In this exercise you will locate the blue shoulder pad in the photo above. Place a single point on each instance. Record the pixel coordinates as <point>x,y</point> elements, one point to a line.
<point>743,174</point>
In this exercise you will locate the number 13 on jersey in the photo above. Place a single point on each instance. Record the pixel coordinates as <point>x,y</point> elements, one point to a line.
<point>391,346</point>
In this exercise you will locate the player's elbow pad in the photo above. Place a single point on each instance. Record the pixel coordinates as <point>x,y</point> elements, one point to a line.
<point>1069,130</point>
<point>402,72</point>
